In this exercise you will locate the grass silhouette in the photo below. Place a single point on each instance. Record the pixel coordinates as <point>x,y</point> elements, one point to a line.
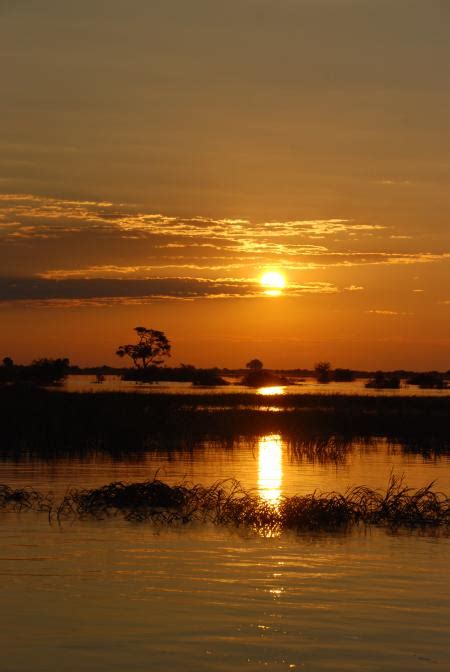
<point>54,424</point>
<point>227,503</point>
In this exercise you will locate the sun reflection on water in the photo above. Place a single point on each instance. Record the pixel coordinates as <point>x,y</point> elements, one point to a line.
<point>267,391</point>
<point>270,468</point>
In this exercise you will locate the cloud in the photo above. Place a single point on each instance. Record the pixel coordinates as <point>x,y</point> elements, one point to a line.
<point>101,289</point>
<point>179,262</point>
<point>395,183</point>
<point>55,214</point>
<point>61,238</point>
<point>387,313</point>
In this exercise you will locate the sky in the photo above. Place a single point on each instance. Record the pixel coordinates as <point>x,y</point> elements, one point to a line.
<point>158,157</point>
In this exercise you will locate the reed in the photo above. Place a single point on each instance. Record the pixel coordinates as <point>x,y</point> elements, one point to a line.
<point>227,503</point>
<point>24,499</point>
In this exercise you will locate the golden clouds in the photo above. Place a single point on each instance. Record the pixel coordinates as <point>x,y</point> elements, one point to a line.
<point>151,256</point>
<point>198,242</point>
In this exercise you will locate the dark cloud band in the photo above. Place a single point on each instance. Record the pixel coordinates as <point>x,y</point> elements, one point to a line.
<point>19,289</point>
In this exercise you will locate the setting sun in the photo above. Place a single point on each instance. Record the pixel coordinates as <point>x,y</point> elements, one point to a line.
<point>273,282</point>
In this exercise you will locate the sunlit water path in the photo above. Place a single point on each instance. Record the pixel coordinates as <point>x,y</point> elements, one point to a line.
<point>267,466</point>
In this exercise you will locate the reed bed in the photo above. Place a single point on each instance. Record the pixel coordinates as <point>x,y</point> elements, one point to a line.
<point>227,503</point>
<point>53,424</point>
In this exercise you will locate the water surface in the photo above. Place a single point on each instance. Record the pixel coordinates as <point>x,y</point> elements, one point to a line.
<point>86,383</point>
<point>111,595</point>
<point>267,465</point>
<point>114,596</point>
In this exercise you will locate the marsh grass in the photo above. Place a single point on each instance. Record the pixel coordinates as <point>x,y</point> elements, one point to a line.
<point>54,424</point>
<point>23,499</point>
<point>227,503</point>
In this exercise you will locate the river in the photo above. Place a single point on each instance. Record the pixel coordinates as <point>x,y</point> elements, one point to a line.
<point>111,595</point>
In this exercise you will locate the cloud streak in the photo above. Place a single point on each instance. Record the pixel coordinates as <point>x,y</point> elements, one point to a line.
<point>27,215</point>
<point>41,289</point>
<point>388,313</point>
<point>62,250</point>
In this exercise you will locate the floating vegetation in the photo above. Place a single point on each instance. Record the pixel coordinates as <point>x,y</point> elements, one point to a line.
<point>135,501</point>
<point>23,499</point>
<point>227,503</point>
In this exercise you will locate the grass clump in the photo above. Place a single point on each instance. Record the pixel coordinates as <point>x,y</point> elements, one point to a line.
<point>227,503</point>
<point>135,501</point>
<point>324,511</point>
<point>23,499</point>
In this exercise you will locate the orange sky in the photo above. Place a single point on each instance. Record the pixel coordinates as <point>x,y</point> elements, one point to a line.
<point>157,158</point>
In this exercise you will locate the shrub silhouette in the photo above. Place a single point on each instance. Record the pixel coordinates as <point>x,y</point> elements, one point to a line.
<point>323,372</point>
<point>382,381</point>
<point>254,365</point>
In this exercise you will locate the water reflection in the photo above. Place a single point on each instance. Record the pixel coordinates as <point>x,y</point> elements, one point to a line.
<point>267,391</point>
<point>84,383</point>
<point>270,468</point>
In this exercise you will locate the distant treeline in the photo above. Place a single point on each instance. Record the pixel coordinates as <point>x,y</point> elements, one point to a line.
<point>40,372</point>
<point>107,370</point>
<point>47,372</point>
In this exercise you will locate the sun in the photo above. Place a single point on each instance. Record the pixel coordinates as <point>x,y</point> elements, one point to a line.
<point>273,282</point>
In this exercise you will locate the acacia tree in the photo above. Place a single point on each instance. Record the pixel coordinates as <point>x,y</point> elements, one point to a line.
<point>150,350</point>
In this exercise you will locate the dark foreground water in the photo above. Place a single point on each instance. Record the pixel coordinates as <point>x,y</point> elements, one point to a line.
<point>113,595</point>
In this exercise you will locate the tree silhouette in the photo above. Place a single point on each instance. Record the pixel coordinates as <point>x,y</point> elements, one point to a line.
<point>150,349</point>
<point>254,365</point>
<point>323,372</point>
<point>48,371</point>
